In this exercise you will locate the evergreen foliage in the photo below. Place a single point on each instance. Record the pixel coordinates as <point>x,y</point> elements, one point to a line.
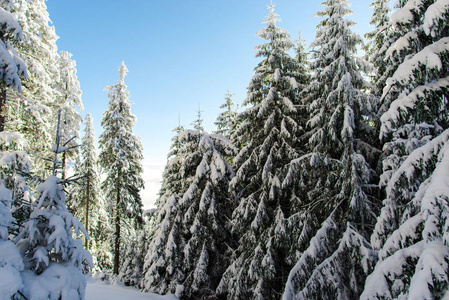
<point>121,158</point>
<point>410,233</point>
<point>226,120</point>
<point>268,131</point>
<point>32,112</point>
<point>69,100</point>
<point>87,201</point>
<point>332,180</point>
<point>188,251</point>
<point>46,240</point>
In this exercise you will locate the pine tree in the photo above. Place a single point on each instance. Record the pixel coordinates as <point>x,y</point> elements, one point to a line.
<point>32,112</point>
<point>268,132</point>
<point>13,160</point>
<point>46,242</point>
<point>12,190</point>
<point>189,251</point>
<point>87,202</point>
<point>226,120</point>
<point>379,40</point>
<point>335,173</point>
<point>121,157</point>
<point>411,229</point>
<point>136,248</point>
<point>12,65</point>
<point>69,100</point>
<point>198,123</point>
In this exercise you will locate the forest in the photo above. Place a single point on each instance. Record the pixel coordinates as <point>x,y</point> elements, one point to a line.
<point>330,181</point>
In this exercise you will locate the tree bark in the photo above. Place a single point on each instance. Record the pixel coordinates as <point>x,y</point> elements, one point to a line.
<point>117,234</point>
<point>87,211</point>
<point>2,109</point>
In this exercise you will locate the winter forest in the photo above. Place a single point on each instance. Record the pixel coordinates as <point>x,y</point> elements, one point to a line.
<point>329,181</point>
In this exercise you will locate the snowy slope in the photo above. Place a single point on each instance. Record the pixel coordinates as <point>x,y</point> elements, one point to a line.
<point>97,290</point>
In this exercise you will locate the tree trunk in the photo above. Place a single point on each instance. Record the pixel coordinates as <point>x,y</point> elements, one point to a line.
<point>87,211</point>
<point>64,164</point>
<point>2,109</point>
<point>117,235</point>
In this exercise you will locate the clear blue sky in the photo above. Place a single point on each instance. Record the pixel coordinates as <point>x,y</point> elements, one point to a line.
<point>179,54</point>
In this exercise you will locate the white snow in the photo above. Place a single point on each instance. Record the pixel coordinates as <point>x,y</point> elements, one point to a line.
<point>97,290</point>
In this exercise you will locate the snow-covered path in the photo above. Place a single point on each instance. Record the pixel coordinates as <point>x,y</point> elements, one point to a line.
<point>102,291</point>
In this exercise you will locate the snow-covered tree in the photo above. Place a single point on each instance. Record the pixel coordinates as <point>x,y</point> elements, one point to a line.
<point>121,158</point>
<point>136,248</point>
<point>226,120</point>
<point>189,248</point>
<point>411,230</point>
<point>378,42</point>
<point>12,184</point>
<point>49,251</point>
<point>269,132</point>
<point>12,66</point>
<point>31,112</point>
<point>198,123</point>
<point>87,202</point>
<point>13,160</point>
<point>69,100</point>
<point>335,173</point>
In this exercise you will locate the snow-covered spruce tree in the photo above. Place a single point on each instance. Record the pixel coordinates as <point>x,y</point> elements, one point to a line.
<point>190,247</point>
<point>69,100</point>
<point>198,123</point>
<point>226,120</point>
<point>52,258</point>
<point>174,183</point>
<point>121,158</point>
<point>12,66</point>
<point>411,230</point>
<point>13,191</point>
<point>269,133</point>
<point>13,160</point>
<point>136,248</point>
<point>87,202</point>
<point>335,173</point>
<point>378,42</point>
<point>30,112</point>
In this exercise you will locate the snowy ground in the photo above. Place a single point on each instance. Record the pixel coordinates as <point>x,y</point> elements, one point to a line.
<point>101,291</point>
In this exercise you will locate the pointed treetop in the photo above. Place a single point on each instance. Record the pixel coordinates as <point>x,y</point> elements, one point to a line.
<point>122,70</point>
<point>198,123</point>
<point>272,17</point>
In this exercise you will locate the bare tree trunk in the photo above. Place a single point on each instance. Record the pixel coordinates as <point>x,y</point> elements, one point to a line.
<point>117,234</point>
<point>64,164</point>
<point>2,109</point>
<point>87,211</point>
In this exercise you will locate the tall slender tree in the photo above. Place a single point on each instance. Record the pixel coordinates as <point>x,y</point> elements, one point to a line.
<point>226,120</point>
<point>121,158</point>
<point>33,112</point>
<point>69,100</point>
<point>336,174</point>
<point>268,131</point>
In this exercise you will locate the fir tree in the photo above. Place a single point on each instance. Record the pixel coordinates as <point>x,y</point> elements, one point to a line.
<point>335,173</point>
<point>268,132</point>
<point>46,241</point>
<point>121,156</point>
<point>411,228</point>
<point>69,100</point>
<point>86,199</point>
<point>226,120</point>
<point>198,123</point>
<point>32,112</point>
<point>189,251</point>
<point>12,65</point>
